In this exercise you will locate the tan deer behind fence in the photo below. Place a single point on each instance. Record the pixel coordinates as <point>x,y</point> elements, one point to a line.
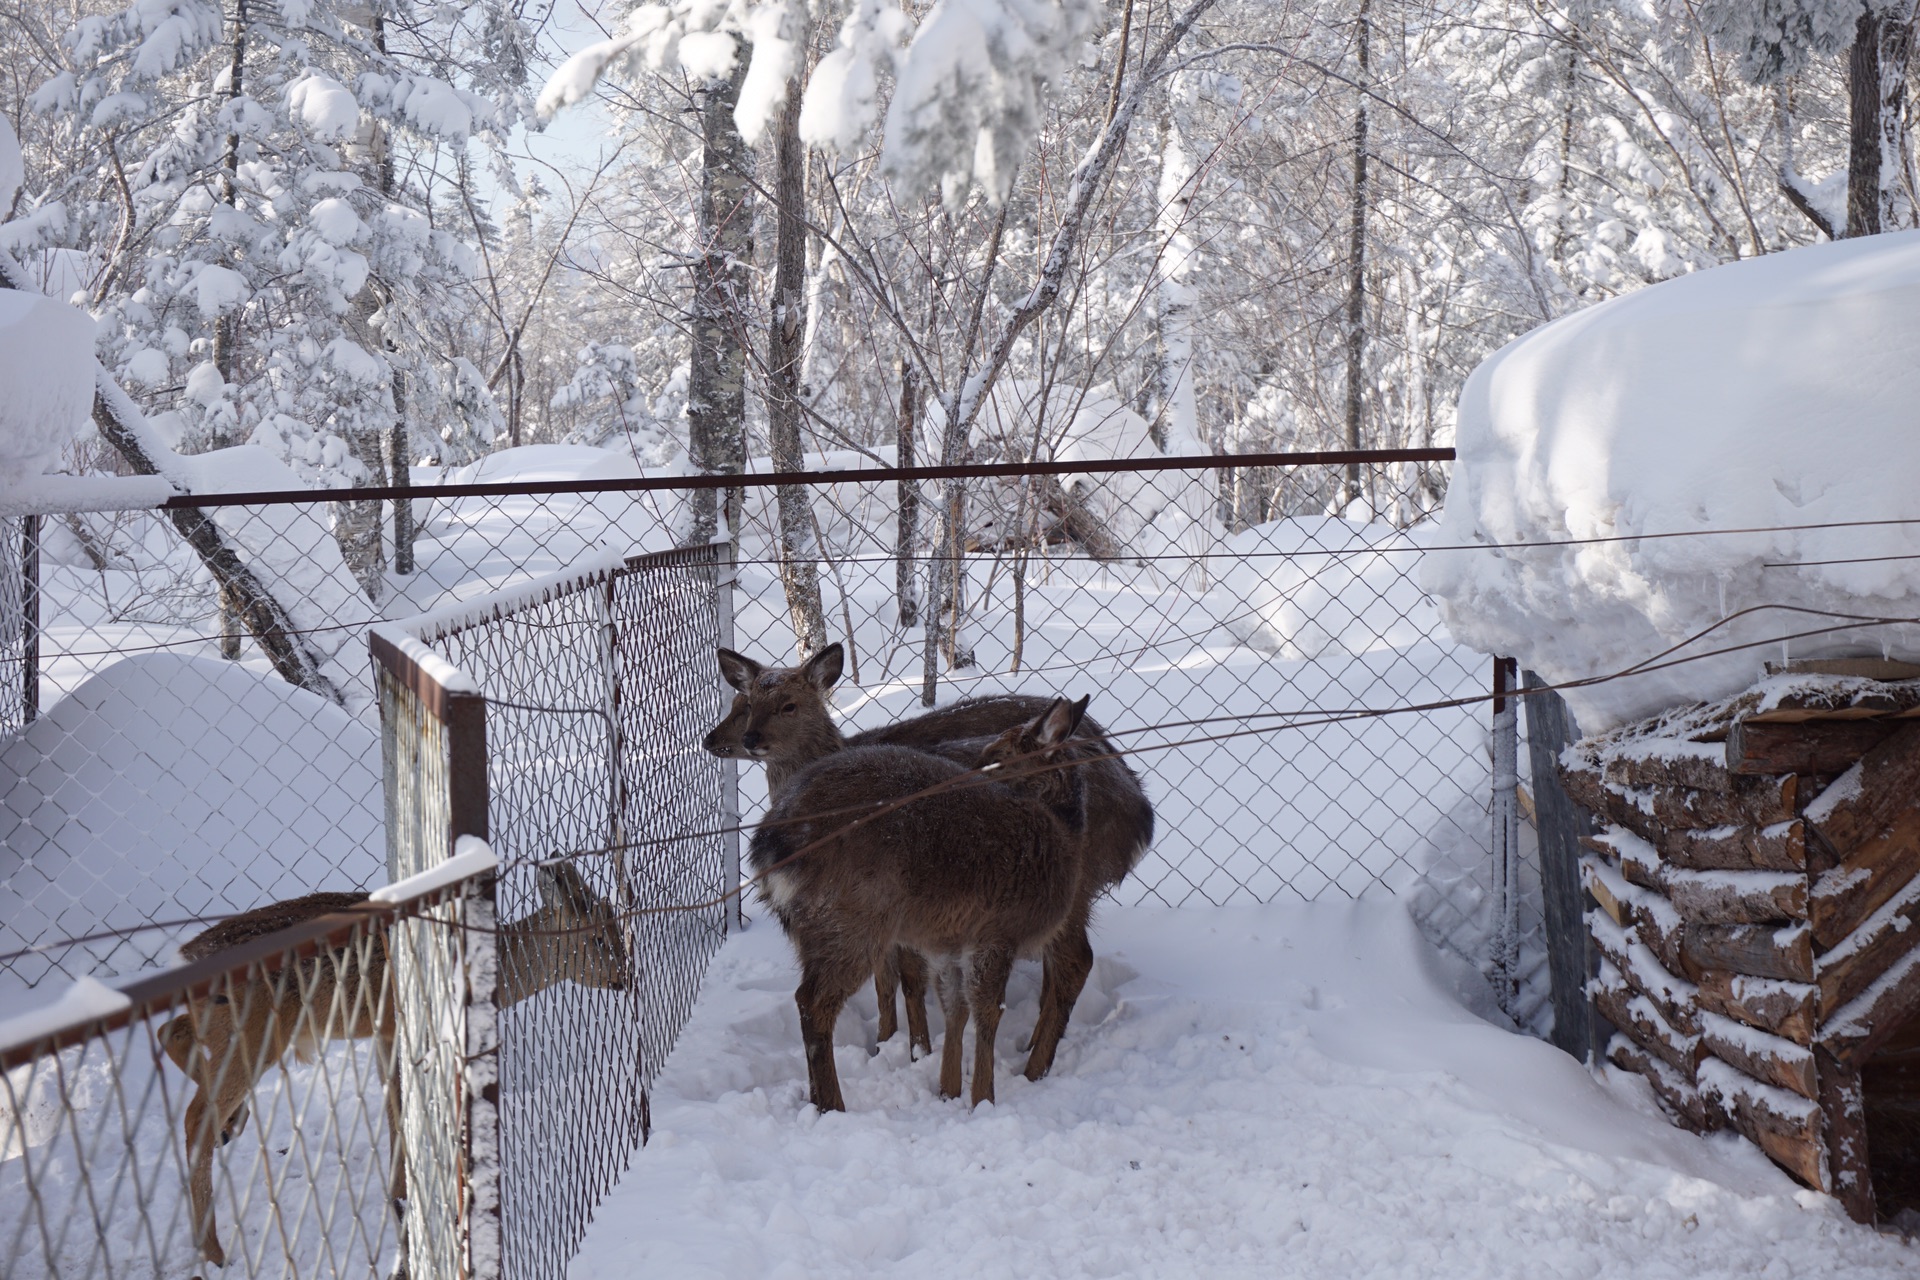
<point>231,1036</point>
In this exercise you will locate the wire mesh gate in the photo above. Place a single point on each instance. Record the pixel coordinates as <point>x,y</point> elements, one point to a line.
<point>561,719</point>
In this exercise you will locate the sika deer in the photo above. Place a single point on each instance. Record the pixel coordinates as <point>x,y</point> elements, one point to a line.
<point>228,1038</point>
<point>781,716</point>
<point>948,863</point>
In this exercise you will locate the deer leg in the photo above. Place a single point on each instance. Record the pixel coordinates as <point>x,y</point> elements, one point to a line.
<point>913,989</point>
<point>200,1135</point>
<point>987,990</point>
<point>823,991</point>
<point>389,1059</point>
<point>953,1008</point>
<point>1069,960</point>
<point>886,980</point>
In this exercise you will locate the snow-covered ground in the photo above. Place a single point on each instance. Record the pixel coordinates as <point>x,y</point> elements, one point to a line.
<point>1288,1090</point>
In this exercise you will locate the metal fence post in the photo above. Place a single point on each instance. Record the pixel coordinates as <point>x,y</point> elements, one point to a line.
<point>733,916</point>
<point>29,620</point>
<point>1561,823</point>
<point>1506,834</point>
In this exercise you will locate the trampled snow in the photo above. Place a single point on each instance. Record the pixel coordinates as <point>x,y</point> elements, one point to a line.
<point>1780,391</point>
<point>1258,1092</point>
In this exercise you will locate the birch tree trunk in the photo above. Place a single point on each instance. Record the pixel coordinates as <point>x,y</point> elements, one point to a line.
<point>1175,425</point>
<point>227,323</point>
<point>399,438</point>
<point>722,287</point>
<point>357,525</point>
<point>799,572</point>
<point>1357,256</point>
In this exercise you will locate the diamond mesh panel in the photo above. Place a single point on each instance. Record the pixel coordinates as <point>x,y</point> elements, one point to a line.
<point>598,687</point>
<point>1210,594</point>
<point>19,539</point>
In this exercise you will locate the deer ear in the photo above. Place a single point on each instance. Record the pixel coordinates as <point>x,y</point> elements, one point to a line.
<point>1061,719</point>
<point>738,670</point>
<point>823,668</point>
<point>561,884</point>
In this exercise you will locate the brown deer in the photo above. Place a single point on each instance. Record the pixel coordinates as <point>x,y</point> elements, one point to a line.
<point>228,1038</point>
<point>910,849</point>
<point>781,717</point>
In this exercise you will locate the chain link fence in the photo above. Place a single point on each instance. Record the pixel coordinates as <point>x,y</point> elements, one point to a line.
<point>19,620</point>
<point>1233,633</point>
<point>1251,632</point>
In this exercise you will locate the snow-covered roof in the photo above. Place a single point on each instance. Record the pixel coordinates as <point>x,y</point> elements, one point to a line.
<point>1768,395</point>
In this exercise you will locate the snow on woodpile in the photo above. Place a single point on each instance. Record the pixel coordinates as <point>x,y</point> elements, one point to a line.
<point>1782,391</point>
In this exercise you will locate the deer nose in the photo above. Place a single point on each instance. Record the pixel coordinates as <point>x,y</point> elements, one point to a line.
<point>751,740</point>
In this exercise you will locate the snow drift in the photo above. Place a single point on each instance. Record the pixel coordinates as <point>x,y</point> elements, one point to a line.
<point>1766,396</point>
<point>1301,588</point>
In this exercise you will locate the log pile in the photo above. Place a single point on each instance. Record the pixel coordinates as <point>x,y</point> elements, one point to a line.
<point>1757,897</point>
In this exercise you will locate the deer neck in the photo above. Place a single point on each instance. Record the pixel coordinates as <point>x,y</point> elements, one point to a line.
<point>531,957</point>
<point>821,740</point>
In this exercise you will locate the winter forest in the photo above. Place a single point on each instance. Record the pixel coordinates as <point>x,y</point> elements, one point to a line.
<point>1352,561</point>
<point>326,229</point>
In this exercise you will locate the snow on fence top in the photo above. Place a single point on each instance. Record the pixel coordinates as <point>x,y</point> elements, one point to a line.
<point>1780,391</point>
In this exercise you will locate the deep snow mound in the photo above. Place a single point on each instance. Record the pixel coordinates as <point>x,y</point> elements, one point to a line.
<point>1781,391</point>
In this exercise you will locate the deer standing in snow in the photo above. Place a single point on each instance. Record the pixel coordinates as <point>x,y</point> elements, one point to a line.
<point>228,1038</point>
<point>781,717</point>
<point>879,847</point>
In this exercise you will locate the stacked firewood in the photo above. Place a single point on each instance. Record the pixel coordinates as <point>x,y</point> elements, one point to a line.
<point>1755,884</point>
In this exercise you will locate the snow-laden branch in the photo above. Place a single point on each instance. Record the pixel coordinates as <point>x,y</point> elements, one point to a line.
<point>1088,177</point>
<point>126,428</point>
<point>968,84</point>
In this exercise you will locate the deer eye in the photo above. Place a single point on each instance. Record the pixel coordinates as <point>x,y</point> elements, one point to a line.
<point>789,709</point>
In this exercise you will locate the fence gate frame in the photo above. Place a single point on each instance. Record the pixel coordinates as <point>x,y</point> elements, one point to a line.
<point>451,680</point>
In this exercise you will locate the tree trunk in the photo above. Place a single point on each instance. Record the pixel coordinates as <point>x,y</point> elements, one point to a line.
<point>1863,134</point>
<point>399,438</point>
<point>1357,258</point>
<point>799,572</point>
<point>1176,418</point>
<point>400,460</point>
<point>722,287</point>
<point>226,324</point>
<point>905,573</point>
<point>1896,49</point>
